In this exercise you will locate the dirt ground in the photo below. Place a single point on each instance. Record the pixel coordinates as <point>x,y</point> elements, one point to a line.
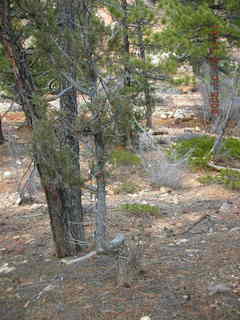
<point>191,253</point>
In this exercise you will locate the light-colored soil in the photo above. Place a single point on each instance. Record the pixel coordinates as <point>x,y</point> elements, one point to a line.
<point>191,253</point>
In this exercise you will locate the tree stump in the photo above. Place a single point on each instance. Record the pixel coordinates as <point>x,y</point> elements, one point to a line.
<point>129,262</point>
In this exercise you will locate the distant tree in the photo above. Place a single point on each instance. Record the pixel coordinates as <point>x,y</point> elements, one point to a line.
<point>1,132</point>
<point>201,32</point>
<point>129,51</point>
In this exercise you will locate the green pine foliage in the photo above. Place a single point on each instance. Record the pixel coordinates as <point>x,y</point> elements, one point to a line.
<point>227,177</point>
<point>123,157</point>
<point>200,150</point>
<point>187,26</point>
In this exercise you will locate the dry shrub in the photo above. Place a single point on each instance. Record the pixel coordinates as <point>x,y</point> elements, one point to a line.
<point>161,170</point>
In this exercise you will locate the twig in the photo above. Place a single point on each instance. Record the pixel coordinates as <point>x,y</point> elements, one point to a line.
<point>80,259</point>
<point>57,96</point>
<point>108,247</point>
<point>194,224</point>
<point>214,166</point>
<point>38,296</point>
<point>32,215</point>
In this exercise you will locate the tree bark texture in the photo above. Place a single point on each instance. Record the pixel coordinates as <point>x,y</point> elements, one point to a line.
<point>101,190</point>
<point>214,71</point>
<point>148,98</point>
<point>1,132</point>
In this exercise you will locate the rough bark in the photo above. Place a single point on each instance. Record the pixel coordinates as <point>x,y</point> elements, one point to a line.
<point>101,191</point>
<point>70,191</point>
<point>92,77</point>
<point>126,44</point>
<point>214,72</point>
<point>148,98</point>
<point>1,132</point>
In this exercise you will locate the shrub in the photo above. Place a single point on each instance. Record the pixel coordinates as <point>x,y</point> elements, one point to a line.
<point>126,187</point>
<point>231,148</point>
<point>199,147</point>
<point>123,157</point>
<point>227,177</point>
<point>161,170</point>
<point>140,208</point>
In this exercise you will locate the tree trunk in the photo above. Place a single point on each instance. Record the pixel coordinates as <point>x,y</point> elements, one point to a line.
<point>214,72</point>
<point>1,132</point>
<point>91,76</point>
<point>65,216</point>
<point>101,191</point>
<point>147,94</point>
<point>126,44</point>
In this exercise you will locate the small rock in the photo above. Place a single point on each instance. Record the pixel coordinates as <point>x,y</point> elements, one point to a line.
<point>179,114</point>
<point>145,318</point>
<point>235,229</point>
<point>60,307</point>
<point>6,269</point>
<point>165,190</point>
<point>19,200</point>
<point>175,201</point>
<point>170,114</point>
<point>187,297</point>
<point>180,241</point>
<point>163,116</point>
<point>7,174</point>
<point>226,206</point>
<point>218,288</point>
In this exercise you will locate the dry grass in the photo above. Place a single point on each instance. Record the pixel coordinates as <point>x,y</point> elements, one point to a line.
<point>161,170</point>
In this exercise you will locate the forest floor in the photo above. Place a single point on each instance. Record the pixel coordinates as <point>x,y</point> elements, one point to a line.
<point>191,250</point>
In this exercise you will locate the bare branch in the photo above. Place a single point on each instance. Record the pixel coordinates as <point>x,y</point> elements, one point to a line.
<point>80,259</point>
<point>77,85</point>
<point>111,247</point>
<point>57,96</point>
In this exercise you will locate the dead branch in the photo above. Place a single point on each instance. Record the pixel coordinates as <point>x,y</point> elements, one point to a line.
<point>108,248</point>
<point>57,96</point>
<point>200,219</point>
<point>80,259</point>
<point>218,168</point>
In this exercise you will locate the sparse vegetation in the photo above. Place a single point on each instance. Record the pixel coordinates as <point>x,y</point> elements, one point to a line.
<point>200,150</point>
<point>231,148</point>
<point>123,157</point>
<point>161,170</point>
<point>140,208</point>
<point>89,77</point>
<point>184,80</point>
<point>126,187</point>
<point>227,177</point>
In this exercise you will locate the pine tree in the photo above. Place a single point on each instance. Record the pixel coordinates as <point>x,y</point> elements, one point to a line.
<point>133,22</point>
<point>201,31</point>
<point>55,150</point>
